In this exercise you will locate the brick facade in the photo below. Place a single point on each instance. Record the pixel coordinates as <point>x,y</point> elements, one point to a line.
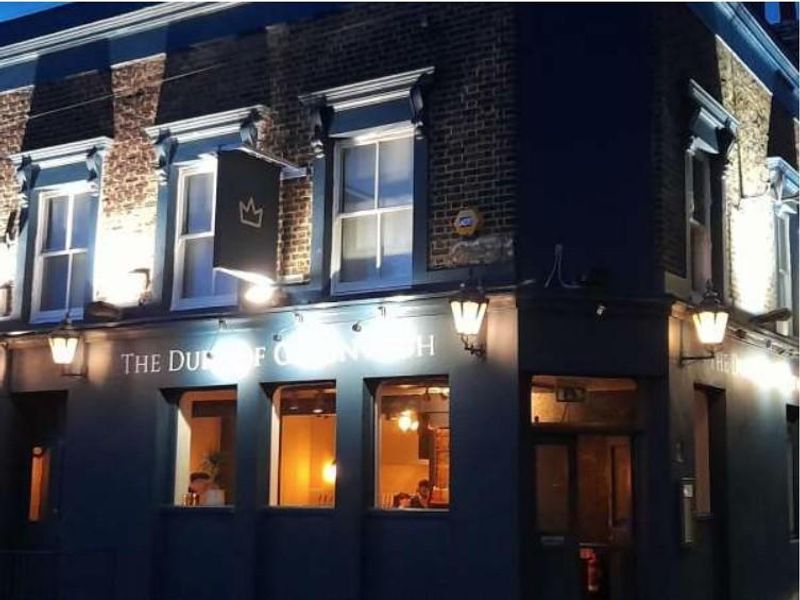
<point>472,110</point>
<point>687,50</point>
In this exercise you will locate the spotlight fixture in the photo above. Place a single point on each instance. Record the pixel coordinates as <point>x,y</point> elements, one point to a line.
<point>259,294</point>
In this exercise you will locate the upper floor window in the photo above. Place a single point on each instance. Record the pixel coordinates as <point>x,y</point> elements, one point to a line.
<point>374,210</point>
<point>196,283</point>
<point>700,221</point>
<point>64,254</point>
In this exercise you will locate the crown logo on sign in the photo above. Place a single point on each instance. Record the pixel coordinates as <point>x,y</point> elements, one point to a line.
<point>249,214</point>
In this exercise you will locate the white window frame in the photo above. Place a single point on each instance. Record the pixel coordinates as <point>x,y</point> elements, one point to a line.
<point>338,287</point>
<point>178,302</point>
<point>692,224</point>
<point>784,272</point>
<point>75,313</point>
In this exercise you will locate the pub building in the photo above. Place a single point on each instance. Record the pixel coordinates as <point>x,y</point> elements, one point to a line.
<point>386,301</point>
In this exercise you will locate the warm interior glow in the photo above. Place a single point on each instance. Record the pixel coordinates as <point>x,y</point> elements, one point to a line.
<point>259,294</point>
<point>407,421</point>
<point>40,473</point>
<point>63,347</point>
<point>413,443</point>
<point>304,423</point>
<point>468,315</point>
<point>329,473</point>
<point>206,442</point>
<point>710,326</point>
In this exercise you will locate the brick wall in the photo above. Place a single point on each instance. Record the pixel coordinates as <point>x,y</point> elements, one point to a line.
<point>14,107</point>
<point>127,222</point>
<point>472,116</point>
<point>686,49</point>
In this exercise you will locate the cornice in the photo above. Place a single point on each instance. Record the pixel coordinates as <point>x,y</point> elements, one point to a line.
<point>369,92</point>
<point>205,126</point>
<point>63,154</point>
<point>125,24</point>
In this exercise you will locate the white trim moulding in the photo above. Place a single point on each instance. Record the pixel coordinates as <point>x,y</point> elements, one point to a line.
<point>137,21</point>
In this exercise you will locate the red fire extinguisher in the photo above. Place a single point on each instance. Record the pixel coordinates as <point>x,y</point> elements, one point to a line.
<point>593,573</point>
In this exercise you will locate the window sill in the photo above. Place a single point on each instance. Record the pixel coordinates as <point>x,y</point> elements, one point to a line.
<point>406,513</point>
<point>206,510</point>
<point>56,316</point>
<point>297,510</point>
<point>340,290</point>
<point>198,303</point>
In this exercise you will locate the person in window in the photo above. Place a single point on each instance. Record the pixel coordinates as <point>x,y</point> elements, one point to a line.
<point>423,496</point>
<point>199,484</point>
<point>401,500</point>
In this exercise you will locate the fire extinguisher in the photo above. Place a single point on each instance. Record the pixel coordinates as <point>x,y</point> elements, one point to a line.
<point>593,573</point>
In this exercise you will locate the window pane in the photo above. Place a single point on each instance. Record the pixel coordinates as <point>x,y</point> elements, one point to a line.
<point>77,287</point>
<point>359,241</point>
<point>700,189</point>
<point>396,245</point>
<point>593,401</point>
<point>197,273</point>
<point>552,488</point>
<point>205,447</point>
<point>54,282</point>
<point>414,445</point>
<point>198,207</point>
<point>358,178</point>
<point>395,183</point>
<point>306,454</point>
<point>56,228</point>
<point>81,218</point>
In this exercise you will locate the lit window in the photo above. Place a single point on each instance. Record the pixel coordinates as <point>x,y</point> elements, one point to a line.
<point>205,448</point>
<point>40,483</point>
<point>374,208</point>
<point>700,220</point>
<point>413,457</point>
<point>303,465</point>
<point>592,401</point>
<point>64,257</point>
<point>793,468</point>
<point>197,284</point>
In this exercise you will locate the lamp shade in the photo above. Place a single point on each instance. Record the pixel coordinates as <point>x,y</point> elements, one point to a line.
<point>64,344</point>
<point>710,319</point>
<point>469,309</point>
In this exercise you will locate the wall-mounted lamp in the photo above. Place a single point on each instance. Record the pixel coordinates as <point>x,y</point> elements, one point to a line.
<point>469,308</point>
<point>710,321</point>
<point>64,343</point>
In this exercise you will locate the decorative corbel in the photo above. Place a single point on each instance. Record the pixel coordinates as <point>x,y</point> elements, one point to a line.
<point>321,115</point>
<point>94,165</point>
<point>248,129</point>
<point>165,148</point>
<point>419,110</point>
<point>27,172</point>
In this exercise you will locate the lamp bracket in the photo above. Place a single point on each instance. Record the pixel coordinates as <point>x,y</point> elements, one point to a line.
<point>686,359</point>
<point>474,349</point>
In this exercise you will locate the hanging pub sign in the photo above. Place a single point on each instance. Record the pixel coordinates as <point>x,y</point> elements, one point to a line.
<point>246,222</point>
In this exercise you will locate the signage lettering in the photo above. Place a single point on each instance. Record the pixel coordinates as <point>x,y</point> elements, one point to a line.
<point>302,350</point>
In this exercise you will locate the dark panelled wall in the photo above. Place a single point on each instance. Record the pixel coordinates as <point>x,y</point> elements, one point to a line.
<point>584,77</point>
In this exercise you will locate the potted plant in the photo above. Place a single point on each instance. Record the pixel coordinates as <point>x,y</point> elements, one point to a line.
<point>212,463</point>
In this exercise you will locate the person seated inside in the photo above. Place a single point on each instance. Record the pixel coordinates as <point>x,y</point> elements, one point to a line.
<point>199,484</point>
<point>423,496</point>
<point>401,500</point>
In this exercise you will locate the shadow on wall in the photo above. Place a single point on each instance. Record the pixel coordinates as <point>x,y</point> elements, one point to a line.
<point>69,109</point>
<point>214,76</point>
